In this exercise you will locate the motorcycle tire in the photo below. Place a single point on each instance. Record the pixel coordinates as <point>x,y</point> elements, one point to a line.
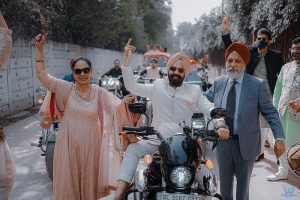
<point>49,159</point>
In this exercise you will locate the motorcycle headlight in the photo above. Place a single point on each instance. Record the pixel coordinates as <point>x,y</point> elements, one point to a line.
<point>180,176</point>
<point>104,82</point>
<point>111,82</point>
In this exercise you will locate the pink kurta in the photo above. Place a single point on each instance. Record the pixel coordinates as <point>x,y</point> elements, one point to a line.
<point>81,159</point>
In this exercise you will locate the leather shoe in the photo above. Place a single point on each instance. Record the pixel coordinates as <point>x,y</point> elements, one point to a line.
<point>261,156</point>
<point>277,176</point>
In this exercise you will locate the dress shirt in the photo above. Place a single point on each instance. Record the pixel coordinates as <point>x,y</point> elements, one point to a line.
<point>152,73</point>
<point>238,89</point>
<point>170,106</point>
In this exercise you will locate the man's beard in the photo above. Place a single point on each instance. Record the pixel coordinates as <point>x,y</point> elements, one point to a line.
<point>233,72</point>
<point>175,82</point>
<point>296,56</point>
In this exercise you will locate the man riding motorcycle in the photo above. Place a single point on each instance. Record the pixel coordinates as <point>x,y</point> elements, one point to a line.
<point>115,73</point>
<point>173,102</point>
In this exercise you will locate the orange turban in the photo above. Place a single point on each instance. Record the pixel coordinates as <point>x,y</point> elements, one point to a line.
<point>193,62</point>
<point>183,59</point>
<point>241,49</point>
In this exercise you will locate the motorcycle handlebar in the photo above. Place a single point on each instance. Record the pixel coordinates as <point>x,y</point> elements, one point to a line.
<point>134,129</point>
<point>207,134</point>
<point>143,131</point>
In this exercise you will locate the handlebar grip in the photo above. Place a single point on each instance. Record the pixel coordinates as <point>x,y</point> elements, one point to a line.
<point>134,129</point>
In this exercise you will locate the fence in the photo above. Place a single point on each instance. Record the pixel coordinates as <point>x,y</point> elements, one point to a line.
<point>18,82</point>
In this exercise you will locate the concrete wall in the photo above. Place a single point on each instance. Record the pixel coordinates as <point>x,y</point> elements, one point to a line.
<point>18,82</point>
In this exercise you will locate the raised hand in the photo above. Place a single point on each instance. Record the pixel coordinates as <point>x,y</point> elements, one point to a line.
<point>127,52</point>
<point>225,23</point>
<point>41,39</point>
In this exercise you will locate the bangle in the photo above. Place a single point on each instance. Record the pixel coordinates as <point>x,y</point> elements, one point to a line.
<point>40,60</point>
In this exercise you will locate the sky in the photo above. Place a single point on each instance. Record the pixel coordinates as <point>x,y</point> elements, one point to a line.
<point>188,10</point>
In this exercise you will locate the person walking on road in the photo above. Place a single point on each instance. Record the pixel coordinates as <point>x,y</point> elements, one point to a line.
<point>245,97</point>
<point>287,100</point>
<point>81,154</point>
<point>7,168</point>
<point>265,63</point>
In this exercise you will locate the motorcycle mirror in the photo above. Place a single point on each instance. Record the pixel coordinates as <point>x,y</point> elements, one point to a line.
<point>40,89</point>
<point>218,113</point>
<point>138,108</point>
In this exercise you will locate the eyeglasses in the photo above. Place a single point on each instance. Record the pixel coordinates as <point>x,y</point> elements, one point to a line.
<point>262,38</point>
<point>85,70</point>
<point>173,69</point>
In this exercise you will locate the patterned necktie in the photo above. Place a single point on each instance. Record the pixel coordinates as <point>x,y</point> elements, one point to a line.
<point>230,106</point>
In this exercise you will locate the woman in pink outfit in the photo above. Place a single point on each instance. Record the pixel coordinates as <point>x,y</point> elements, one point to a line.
<point>7,169</point>
<point>84,145</point>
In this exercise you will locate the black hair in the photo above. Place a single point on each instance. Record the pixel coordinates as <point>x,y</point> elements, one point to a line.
<point>116,60</point>
<point>266,32</point>
<point>296,40</point>
<point>78,59</point>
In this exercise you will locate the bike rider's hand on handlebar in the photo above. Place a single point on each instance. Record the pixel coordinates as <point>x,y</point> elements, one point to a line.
<point>223,133</point>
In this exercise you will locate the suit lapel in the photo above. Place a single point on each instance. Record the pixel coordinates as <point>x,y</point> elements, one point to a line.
<point>222,85</point>
<point>244,91</point>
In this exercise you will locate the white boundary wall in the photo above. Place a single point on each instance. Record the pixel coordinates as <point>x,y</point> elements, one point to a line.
<point>18,82</point>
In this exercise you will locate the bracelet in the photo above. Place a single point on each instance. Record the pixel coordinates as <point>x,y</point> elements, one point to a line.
<point>40,60</point>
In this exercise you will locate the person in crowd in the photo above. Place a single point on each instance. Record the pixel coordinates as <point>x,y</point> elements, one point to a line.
<point>7,168</point>
<point>264,63</point>
<point>169,109</point>
<point>244,97</point>
<point>287,100</point>
<point>116,72</point>
<point>152,71</point>
<point>203,72</point>
<point>81,156</point>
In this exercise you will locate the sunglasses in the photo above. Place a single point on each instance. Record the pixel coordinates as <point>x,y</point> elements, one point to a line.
<point>85,70</point>
<point>173,69</point>
<point>262,38</point>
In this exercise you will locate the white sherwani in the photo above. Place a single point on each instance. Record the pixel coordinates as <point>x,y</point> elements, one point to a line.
<point>170,106</point>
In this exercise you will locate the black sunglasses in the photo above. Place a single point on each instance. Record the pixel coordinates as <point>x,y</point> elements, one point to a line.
<point>262,38</point>
<point>173,69</point>
<point>85,70</point>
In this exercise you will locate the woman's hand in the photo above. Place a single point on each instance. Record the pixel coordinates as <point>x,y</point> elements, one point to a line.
<point>127,52</point>
<point>41,39</point>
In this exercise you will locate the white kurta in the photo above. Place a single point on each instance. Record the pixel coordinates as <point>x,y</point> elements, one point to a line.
<point>170,106</point>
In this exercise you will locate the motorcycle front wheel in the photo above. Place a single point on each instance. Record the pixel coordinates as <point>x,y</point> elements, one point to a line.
<point>49,159</point>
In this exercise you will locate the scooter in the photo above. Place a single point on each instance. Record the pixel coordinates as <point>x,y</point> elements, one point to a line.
<point>171,173</point>
<point>47,139</point>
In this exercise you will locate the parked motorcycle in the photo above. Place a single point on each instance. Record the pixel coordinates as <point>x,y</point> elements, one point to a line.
<point>47,139</point>
<point>112,84</point>
<point>171,173</point>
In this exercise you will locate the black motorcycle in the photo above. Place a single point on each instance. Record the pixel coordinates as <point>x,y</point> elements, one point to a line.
<point>172,172</point>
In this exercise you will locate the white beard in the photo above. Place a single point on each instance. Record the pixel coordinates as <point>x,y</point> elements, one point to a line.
<point>234,74</point>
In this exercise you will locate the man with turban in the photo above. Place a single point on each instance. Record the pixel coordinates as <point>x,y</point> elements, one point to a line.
<point>173,102</point>
<point>245,97</point>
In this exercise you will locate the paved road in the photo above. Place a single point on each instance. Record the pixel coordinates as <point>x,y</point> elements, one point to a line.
<point>33,183</point>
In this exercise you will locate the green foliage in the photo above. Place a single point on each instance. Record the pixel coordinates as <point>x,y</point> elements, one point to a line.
<point>245,17</point>
<point>97,23</point>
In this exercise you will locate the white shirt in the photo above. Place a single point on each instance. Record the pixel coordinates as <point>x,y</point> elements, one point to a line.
<point>170,106</point>
<point>152,73</point>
